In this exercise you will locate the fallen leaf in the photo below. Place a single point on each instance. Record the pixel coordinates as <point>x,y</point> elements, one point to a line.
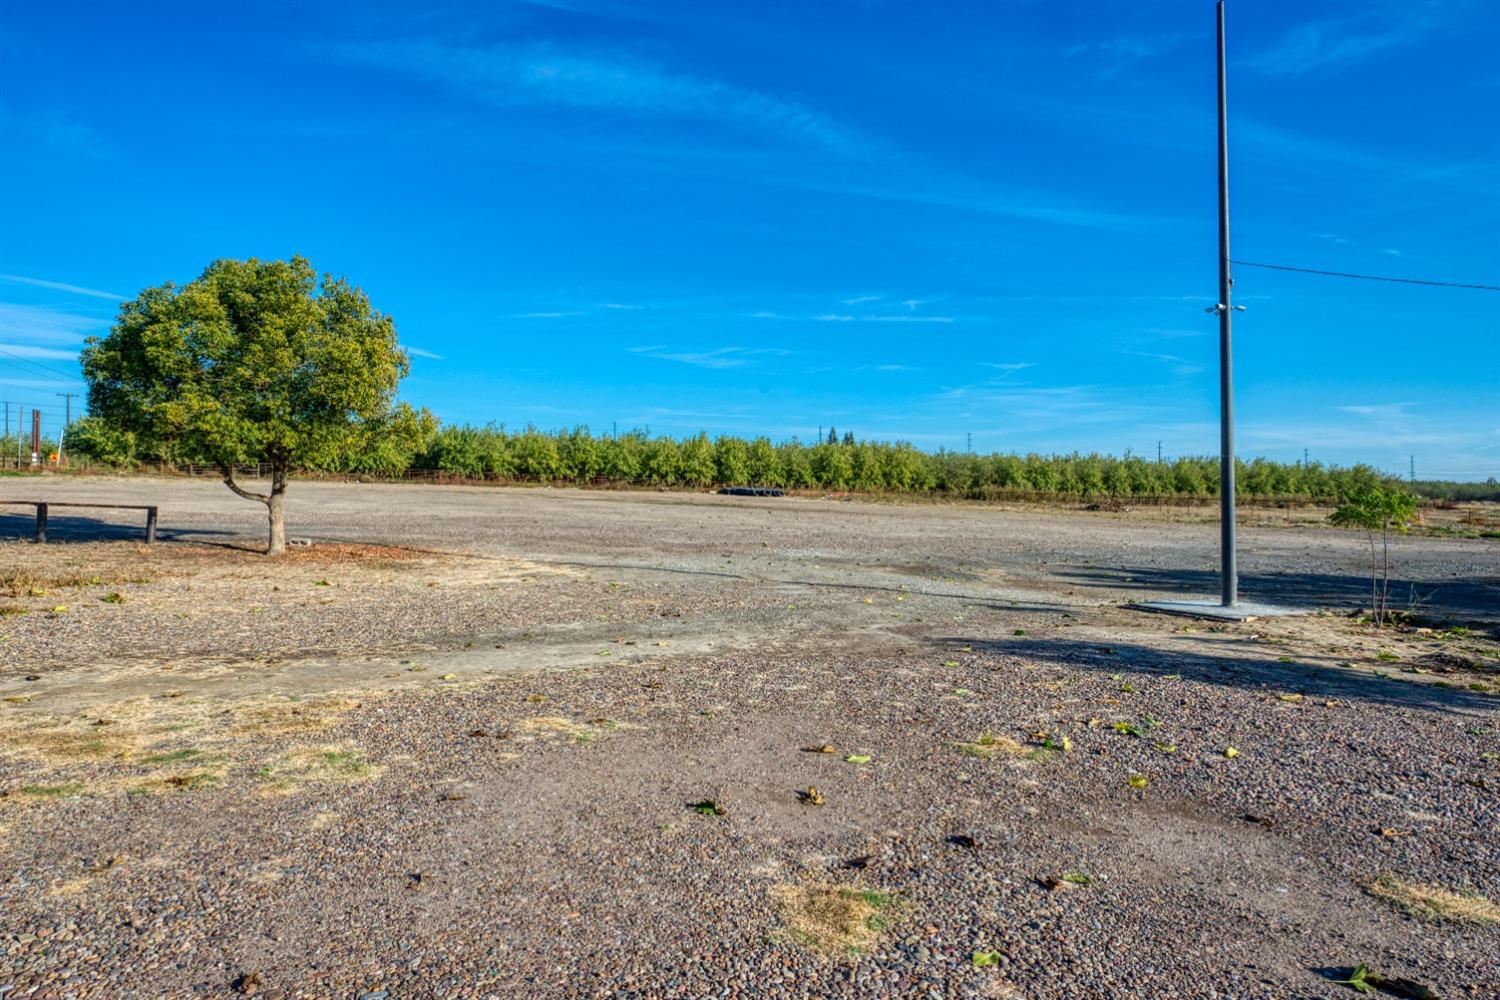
<point>1358,980</point>
<point>1137,781</point>
<point>811,797</point>
<point>858,758</point>
<point>706,807</point>
<point>1231,753</point>
<point>823,748</point>
<point>985,959</point>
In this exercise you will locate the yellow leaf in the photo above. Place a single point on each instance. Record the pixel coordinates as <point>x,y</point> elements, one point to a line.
<point>1231,753</point>
<point>1137,781</point>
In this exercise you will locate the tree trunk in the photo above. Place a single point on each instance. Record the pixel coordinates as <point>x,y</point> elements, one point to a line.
<point>274,501</point>
<point>275,508</point>
<point>1385,568</point>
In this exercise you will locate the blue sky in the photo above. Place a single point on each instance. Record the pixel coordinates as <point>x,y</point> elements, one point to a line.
<point>914,220</point>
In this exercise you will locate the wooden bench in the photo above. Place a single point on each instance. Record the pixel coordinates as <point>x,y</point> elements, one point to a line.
<point>43,506</point>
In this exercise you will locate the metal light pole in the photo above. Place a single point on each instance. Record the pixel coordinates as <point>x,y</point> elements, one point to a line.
<point>1228,571</point>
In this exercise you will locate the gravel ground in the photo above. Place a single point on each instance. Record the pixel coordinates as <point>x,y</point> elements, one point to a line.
<point>462,766</point>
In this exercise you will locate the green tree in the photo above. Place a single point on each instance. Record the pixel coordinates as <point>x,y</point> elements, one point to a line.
<point>1377,509</point>
<point>763,464</point>
<point>732,457</point>
<point>698,467</point>
<point>662,461</point>
<point>90,437</point>
<point>253,361</point>
<point>536,456</point>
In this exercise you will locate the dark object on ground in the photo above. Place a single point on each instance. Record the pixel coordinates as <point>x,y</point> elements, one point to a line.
<point>41,514</point>
<point>751,491</point>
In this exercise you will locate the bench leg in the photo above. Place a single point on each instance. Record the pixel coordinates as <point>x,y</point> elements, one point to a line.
<point>41,524</point>
<point>150,525</point>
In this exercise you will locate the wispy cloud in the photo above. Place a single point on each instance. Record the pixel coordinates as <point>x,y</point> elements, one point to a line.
<point>38,324</point>
<point>1380,410</point>
<point>39,384</point>
<point>560,314</point>
<point>59,286</point>
<point>621,306</point>
<point>417,352</point>
<point>1179,365</point>
<point>1108,57</point>
<point>544,73</point>
<point>723,357</point>
<point>1329,44</point>
<point>40,353</point>
<point>892,318</point>
<point>859,300</point>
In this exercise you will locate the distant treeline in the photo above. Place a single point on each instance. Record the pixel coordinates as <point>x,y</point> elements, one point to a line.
<point>838,463</point>
<point>1437,489</point>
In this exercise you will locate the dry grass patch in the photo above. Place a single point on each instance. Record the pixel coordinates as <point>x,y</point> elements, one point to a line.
<point>35,583</point>
<point>60,742</point>
<point>1431,902</point>
<point>290,718</point>
<point>578,732</point>
<point>63,791</point>
<point>318,764</point>
<point>834,919</point>
<point>989,745</point>
<point>184,781</point>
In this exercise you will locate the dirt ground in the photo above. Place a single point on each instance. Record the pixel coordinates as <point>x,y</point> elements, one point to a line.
<point>474,742</point>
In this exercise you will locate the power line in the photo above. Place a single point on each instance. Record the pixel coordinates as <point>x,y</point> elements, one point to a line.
<point>36,364</point>
<point>1366,277</point>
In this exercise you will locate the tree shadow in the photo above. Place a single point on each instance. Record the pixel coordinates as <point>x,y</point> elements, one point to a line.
<point>64,525</point>
<point>1469,599</point>
<point>1196,662</point>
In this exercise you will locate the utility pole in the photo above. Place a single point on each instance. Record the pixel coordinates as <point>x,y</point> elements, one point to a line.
<point>36,436</point>
<point>1304,456</point>
<point>1413,468</point>
<point>969,442</point>
<point>68,398</point>
<point>1228,569</point>
<point>1158,453</point>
